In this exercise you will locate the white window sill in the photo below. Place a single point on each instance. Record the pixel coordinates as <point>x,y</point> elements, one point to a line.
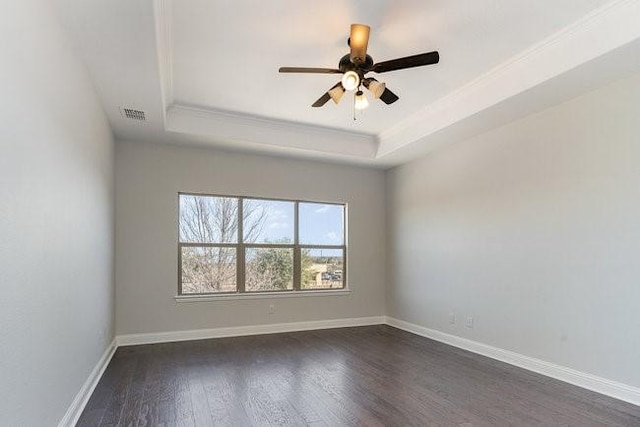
<point>262,295</point>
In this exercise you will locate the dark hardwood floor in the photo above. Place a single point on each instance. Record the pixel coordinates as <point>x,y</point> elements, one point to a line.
<point>369,376</point>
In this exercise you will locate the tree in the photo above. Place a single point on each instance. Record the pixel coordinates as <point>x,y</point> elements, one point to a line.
<point>270,269</point>
<point>306,271</point>
<point>214,220</point>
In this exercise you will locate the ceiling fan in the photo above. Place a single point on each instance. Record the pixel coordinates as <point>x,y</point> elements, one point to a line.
<point>356,64</point>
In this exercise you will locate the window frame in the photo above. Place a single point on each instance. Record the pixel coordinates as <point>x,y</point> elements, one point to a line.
<point>241,248</point>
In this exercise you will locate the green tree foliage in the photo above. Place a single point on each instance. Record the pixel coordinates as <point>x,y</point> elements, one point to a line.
<point>274,268</point>
<point>307,273</point>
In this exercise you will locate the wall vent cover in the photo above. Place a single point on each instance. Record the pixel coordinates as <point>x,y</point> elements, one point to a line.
<point>133,114</point>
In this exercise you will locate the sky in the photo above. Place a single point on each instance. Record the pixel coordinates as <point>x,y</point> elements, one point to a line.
<point>320,224</point>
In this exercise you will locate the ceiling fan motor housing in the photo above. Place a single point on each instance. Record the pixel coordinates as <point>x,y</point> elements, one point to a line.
<point>346,64</point>
<point>354,65</point>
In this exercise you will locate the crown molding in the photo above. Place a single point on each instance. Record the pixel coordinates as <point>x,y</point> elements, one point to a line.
<point>601,31</point>
<point>242,128</point>
<point>164,48</point>
<point>596,34</point>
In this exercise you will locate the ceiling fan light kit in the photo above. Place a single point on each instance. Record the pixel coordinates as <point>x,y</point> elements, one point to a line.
<point>361,101</point>
<point>359,39</point>
<point>350,80</point>
<point>336,93</point>
<point>356,64</point>
<point>376,88</point>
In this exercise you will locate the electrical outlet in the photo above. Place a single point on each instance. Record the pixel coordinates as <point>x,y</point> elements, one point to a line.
<point>469,322</point>
<point>272,309</point>
<point>452,317</point>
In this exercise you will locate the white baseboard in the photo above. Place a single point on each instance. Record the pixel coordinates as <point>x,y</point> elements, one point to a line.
<point>591,382</point>
<point>581,379</point>
<point>80,401</point>
<point>236,331</point>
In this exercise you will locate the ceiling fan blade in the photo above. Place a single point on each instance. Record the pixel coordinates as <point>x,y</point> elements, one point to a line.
<point>309,70</point>
<point>407,62</point>
<point>322,100</point>
<point>329,95</point>
<point>358,41</point>
<point>379,90</point>
<point>388,97</point>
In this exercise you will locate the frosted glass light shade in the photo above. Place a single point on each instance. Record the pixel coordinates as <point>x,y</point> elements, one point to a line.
<point>350,80</point>
<point>377,88</point>
<point>361,101</point>
<point>336,93</point>
<point>359,40</point>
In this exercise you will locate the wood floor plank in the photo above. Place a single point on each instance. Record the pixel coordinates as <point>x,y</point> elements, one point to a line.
<point>122,377</point>
<point>199,403</point>
<point>368,376</point>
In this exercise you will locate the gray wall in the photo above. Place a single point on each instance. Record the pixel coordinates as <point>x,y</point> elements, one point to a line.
<point>56,220</point>
<point>534,230</point>
<point>148,178</point>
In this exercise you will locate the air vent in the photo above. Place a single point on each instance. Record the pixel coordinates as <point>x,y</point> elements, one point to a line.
<point>133,114</point>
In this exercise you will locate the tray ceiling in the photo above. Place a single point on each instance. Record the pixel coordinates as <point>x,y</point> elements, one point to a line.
<point>205,72</point>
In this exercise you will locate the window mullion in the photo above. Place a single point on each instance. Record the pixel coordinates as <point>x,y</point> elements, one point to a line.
<point>297,256</point>
<point>179,268</point>
<point>240,277</point>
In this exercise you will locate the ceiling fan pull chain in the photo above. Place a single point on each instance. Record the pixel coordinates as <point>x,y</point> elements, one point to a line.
<point>354,108</point>
<point>356,64</point>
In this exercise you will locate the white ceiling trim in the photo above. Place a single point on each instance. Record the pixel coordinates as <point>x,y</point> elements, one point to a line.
<point>225,126</point>
<point>228,126</point>
<point>599,32</point>
<point>162,18</point>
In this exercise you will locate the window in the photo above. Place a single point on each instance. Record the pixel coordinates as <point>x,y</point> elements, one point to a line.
<point>230,245</point>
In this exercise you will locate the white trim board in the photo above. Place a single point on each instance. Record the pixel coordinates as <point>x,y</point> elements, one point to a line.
<point>591,382</point>
<point>224,125</point>
<point>261,295</point>
<point>599,32</point>
<point>82,398</point>
<point>237,331</point>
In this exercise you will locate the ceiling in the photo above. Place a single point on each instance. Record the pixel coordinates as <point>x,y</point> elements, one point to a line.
<point>206,71</point>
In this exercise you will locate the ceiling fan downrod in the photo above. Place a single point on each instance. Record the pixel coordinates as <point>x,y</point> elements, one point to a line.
<point>356,64</point>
